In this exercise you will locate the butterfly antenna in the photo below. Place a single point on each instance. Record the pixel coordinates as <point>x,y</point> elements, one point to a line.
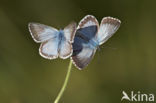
<point>98,54</point>
<point>110,48</point>
<point>98,48</point>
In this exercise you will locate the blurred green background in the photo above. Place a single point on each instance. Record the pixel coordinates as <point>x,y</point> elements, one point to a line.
<point>126,62</point>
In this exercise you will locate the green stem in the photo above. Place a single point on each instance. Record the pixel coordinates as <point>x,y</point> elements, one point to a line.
<point>65,83</point>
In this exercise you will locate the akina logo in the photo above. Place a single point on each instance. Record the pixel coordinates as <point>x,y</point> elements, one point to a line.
<point>138,96</point>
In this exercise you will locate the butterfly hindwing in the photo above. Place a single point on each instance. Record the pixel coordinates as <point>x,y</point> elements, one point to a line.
<point>82,54</point>
<point>49,49</point>
<point>65,49</point>
<point>107,28</point>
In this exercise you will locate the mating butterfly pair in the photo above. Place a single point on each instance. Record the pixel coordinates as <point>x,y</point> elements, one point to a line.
<point>78,42</point>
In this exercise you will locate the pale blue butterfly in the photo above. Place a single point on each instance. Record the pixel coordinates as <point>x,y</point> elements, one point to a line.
<point>54,43</point>
<point>89,36</point>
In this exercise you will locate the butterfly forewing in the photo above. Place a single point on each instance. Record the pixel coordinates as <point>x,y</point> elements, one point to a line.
<point>41,32</point>
<point>87,27</point>
<point>69,32</point>
<point>107,28</point>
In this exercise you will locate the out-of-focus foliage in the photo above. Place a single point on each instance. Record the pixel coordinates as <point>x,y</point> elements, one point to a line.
<point>126,62</point>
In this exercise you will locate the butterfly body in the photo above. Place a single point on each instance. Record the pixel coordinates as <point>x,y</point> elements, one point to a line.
<point>60,38</point>
<point>93,43</point>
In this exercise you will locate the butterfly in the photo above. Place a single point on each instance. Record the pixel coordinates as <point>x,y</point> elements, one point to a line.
<point>54,43</point>
<point>89,36</point>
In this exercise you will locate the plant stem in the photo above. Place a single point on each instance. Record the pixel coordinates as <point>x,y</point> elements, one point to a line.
<point>65,83</point>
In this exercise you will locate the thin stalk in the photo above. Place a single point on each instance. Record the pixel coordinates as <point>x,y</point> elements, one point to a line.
<point>65,83</point>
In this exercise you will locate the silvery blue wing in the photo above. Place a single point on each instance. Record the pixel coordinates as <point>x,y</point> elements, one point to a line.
<point>54,43</point>
<point>89,36</point>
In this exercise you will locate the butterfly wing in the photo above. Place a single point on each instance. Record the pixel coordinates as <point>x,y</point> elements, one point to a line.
<point>49,48</point>
<point>82,52</point>
<point>41,32</point>
<point>88,27</point>
<point>69,32</point>
<point>65,47</point>
<point>48,37</point>
<point>107,28</point>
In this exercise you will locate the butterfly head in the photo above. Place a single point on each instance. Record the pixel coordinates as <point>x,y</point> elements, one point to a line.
<point>61,34</point>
